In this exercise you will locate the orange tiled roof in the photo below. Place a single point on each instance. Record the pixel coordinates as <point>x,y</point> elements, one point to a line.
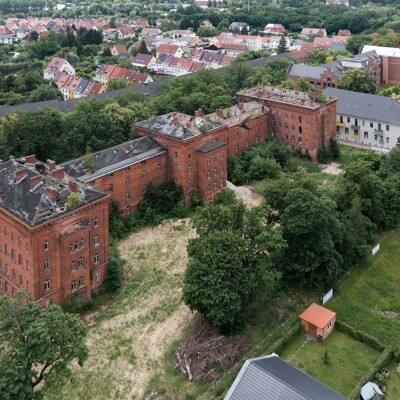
<point>317,315</point>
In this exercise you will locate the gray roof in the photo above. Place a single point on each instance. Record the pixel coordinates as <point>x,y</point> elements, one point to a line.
<point>28,199</point>
<point>211,146</point>
<point>366,106</point>
<point>113,158</point>
<point>306,71</point>
<point>272,378</point>
<point>177,125</point>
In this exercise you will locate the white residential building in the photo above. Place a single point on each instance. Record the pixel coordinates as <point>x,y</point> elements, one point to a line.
<point>366,120</point>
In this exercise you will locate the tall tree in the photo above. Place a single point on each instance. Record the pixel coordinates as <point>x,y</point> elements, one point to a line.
<point>282,47</point>
<point>219,283</point>
<point>312,230</point>
<point>357,80</point>
<point>36,345</point>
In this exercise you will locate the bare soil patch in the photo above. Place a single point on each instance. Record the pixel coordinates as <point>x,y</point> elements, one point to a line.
<point>332,168</point>
<point>389,314</point>
<point>250,198</point>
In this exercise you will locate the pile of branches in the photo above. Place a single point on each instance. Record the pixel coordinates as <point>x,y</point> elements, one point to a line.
<point>206,354</point>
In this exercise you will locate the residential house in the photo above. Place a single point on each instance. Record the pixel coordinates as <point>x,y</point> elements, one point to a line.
<point>118,49</point>
<point>50,249</point>
<point>343,32</point>
<point>270,377</point>
<point>274,29</point>
<point>103,74</point>
<point>110,34</point>
<point>311,32</point>
<point>207,23</point>
<point>80,89</point>
<point>154,33</point>
<point>143,60</point>
<point>6,38</point>
<point>272,43</point>
<point>170,49</point>
<point>93,88</point>
<point>125,33</point>
<point>366,120</point>
<point>179,66</point>
<point>162,63</point>
<point>182,33</point>
<point>58,65</point>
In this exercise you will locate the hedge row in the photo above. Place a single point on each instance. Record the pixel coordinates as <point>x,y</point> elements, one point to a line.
<point>285,340</point>
<point>360,335</point>
<point>383,361</point>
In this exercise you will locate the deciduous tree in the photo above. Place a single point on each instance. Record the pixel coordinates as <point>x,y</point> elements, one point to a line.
<point>36,346</point>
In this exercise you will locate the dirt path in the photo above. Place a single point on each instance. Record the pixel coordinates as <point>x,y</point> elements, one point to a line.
<point>250,198</point>
<point>130,337</point>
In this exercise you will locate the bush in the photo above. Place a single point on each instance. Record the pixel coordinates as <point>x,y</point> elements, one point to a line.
<point>360,335</point>
<point>383,361</point>
<point>278,346</point>
<point>113,278</point>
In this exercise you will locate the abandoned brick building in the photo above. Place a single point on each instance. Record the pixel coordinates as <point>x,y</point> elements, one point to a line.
<point>52,251</point>
<point>48,247</point>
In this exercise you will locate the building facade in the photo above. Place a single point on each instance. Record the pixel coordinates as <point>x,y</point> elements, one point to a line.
<point>297,119</point>
<point>51,246</point>
<point>366,120</point>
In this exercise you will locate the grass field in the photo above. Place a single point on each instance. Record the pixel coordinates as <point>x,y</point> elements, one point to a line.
<point>130,336</point>
<point>347,360</point>
<point>371,289</point>
<point>393,383</point>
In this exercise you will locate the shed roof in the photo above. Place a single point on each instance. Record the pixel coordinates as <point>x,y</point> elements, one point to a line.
<point>369,390</point>
<point>317,315</point>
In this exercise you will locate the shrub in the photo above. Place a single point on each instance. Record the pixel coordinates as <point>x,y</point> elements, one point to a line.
<point>278,346</point>
<point>360,335</point>
<point>113,278</point>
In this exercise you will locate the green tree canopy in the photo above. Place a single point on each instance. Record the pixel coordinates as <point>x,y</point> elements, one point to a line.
<point>36,345</point>
<point>357,80</point>
<point>219,283</point>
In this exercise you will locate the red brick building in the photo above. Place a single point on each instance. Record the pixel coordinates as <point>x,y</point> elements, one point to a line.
<point>296,118</point>
<point>196,148</point>
<point>50,246</point>
<point>123,171</point>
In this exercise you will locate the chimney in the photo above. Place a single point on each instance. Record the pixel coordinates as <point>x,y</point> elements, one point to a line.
<point>198,113</point>
<point>20,173</point>
<point>52,193</point>
<point>31,159</point>
<point>58,173</point>
<point>220,112</point>
<point>188,125</point>
<point>73,186</point>
<point>51,164</point>
<point>11,157</point>
<point>175,121</point>
<point>35,180</point>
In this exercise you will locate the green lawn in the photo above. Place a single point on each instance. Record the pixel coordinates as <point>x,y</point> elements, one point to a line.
<point>348,360</point>
<point>371,288</point>
<point>393,383</point>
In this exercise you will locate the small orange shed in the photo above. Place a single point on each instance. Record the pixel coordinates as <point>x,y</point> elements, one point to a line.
<point>318,321</point>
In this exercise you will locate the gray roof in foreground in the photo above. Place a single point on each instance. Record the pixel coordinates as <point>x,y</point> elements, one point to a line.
<point>272,378</point>
<point>366,106</point>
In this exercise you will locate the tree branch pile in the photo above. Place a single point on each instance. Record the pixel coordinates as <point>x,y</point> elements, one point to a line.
<point>206,354</point>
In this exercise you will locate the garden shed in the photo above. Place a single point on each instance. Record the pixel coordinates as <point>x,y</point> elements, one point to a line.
<point>318,321</point>
<point>371,391</point>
